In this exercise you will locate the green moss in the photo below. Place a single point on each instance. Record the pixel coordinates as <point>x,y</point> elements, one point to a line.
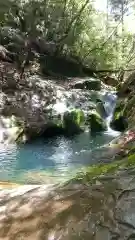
<point>90,173</point>
<point>96,123</point>
<point>130,161</point>
<point>73,121</point>
<point>119,110</point>
<point>76,116</point>
<point>119,121</point>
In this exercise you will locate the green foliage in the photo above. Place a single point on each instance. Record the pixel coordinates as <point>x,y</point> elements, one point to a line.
<point>75,28</point>
<point>119,110</point>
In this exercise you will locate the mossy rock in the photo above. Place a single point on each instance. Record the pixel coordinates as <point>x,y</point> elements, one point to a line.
<point>91,173</point>
<point>119,124</point>
<point>73,121</point>
<point>119,121</point>
<point>69,123</point>
<point>119,109</point>
<point>96,122</point>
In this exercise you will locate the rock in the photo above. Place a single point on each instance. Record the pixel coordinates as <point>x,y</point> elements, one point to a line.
<point>73,121</point>
<point>126,102</point>
<point>28,102</point>
<point>119,121</point>
<point>70,122</point>
<point>87,83</point>
<point>45,107</point>
<point>111,81</point>
<point>97,124</point>
<point>101,210</point>
<point>119,124</point>
<point>101,109</point>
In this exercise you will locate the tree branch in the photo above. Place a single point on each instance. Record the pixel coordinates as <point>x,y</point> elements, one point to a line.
<point>72,21</point>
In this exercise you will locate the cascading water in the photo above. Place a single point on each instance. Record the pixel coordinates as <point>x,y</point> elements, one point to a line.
<point>109,99</point>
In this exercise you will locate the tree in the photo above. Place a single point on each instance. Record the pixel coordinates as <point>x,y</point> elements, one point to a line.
<point>69,28</point>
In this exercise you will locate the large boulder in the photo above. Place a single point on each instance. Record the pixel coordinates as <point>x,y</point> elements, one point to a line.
<point>119,121</point>
<point>87,83</point>
<point>68,123</point>
<point>111,81</point>
<point>73,121</point>
<point>27,100</point>
<point>96,122</point>
<point>119,124</point>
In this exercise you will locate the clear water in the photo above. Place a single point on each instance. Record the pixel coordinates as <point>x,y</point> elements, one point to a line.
<point>52,160</point>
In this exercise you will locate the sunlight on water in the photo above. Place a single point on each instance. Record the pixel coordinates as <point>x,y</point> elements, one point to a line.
<point>49,161</point>
<point>60,107</point>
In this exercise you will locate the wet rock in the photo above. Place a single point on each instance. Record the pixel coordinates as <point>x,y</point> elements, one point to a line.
<point>119,124</point>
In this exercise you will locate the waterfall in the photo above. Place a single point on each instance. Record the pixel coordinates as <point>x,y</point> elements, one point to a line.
<point>109,104</point>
